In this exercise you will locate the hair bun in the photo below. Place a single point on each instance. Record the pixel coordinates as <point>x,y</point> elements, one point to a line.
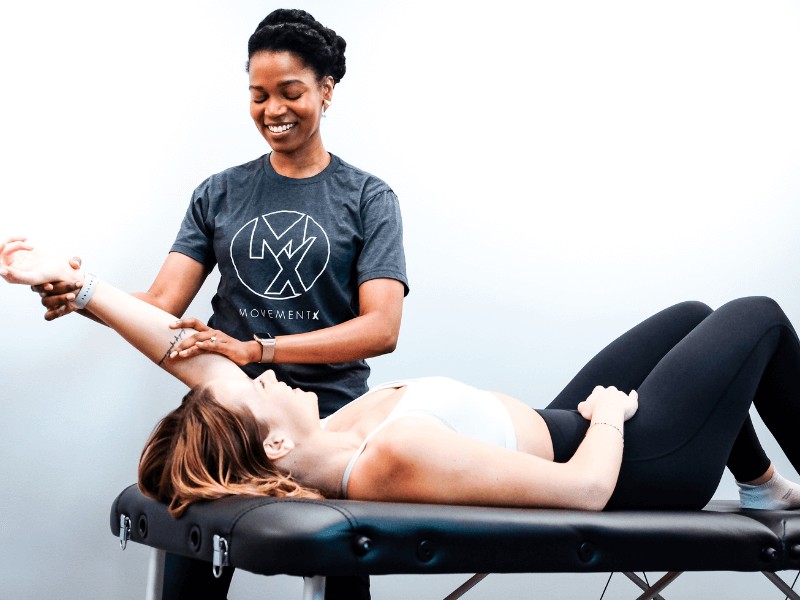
<point>288,15</point>
<point>295,30</point>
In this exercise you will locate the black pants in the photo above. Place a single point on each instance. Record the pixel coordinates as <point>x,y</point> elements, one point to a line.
<point>697,372</point>
<point>192,579</point>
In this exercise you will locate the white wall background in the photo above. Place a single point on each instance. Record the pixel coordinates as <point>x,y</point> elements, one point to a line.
<point>565,169</point>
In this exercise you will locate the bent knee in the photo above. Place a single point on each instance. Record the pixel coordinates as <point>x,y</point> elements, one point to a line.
<point>695,308</point>
<point>762,307</point>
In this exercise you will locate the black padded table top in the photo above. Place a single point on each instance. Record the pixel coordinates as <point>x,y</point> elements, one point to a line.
<point>344,537</point>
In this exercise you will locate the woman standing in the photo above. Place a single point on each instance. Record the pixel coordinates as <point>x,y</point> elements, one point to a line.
<point>309,249</point>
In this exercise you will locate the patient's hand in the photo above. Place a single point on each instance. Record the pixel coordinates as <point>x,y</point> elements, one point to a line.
<point>21,263</point>
<point>629,403</point>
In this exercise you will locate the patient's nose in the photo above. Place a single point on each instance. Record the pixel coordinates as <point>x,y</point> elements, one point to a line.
<point>268,375</point>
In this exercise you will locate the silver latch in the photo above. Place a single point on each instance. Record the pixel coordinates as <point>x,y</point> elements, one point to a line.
<point>220,559</point>
<point>124,531</point>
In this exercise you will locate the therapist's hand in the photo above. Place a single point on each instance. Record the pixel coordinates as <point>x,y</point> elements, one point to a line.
<point>213,340</point>
<point>57,295</point>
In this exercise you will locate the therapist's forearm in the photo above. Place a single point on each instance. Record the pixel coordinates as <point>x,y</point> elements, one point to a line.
<point>363,337</point>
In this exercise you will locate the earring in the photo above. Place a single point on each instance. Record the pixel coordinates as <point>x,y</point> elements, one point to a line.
<point>325,105</point>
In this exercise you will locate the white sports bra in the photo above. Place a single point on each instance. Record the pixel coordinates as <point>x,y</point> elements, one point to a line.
<point>474,413</point>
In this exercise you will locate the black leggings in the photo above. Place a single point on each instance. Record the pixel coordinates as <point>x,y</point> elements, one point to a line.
<point>697,372</point>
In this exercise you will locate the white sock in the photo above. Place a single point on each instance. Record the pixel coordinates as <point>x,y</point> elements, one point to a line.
<point>776,494</point>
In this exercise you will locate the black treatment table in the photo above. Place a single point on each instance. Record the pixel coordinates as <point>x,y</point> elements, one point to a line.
<point>316,538</point>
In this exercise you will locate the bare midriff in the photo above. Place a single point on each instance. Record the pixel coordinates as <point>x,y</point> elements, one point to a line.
<point>533,436</point>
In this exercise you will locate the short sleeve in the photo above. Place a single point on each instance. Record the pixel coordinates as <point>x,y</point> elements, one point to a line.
<point>382,255</point>
<point>196,236</point>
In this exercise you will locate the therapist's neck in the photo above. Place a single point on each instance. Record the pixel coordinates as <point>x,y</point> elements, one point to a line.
<point>300,163</point>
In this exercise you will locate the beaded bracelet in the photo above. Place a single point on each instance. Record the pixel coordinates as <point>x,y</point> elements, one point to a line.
<point>87,291</point>
<point>622,435</point>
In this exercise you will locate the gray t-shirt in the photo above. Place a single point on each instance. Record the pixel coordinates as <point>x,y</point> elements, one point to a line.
<point>291,255</point>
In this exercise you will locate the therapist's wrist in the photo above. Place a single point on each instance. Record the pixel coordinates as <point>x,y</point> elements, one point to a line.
<point>267,349</point>
<point>253,351</point>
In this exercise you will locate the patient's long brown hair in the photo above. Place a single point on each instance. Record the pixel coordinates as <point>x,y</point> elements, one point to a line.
<point>203,451</point>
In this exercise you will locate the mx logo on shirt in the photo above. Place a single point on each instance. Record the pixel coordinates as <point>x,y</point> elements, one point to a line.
<point>280,255</point>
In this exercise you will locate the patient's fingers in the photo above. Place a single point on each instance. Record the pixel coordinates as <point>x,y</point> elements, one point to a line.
<point>12,246</point>
<point>11,240</point>
<point>585,410</point>
<point>12,275</point>
<point>632,405</point>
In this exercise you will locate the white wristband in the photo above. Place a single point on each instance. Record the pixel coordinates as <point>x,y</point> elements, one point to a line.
<point>87,291</point>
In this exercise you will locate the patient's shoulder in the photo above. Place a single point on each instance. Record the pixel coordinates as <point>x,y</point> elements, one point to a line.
<point>392,460</point>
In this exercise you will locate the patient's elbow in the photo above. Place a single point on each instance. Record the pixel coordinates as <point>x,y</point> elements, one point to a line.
<point>594,494</point>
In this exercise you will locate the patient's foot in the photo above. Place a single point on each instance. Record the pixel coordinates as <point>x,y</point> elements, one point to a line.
<point>776,494</point>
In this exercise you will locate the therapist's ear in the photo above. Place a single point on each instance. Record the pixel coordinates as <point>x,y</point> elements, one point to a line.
<point>278,445</point>
<point>327,88</point>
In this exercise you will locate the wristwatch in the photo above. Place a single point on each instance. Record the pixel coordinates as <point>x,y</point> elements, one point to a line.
<point>267,348</point>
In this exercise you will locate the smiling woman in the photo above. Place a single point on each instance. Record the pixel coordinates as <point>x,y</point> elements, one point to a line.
<point>660,161</point>
<point>309,249</point>
<point>286,102</point>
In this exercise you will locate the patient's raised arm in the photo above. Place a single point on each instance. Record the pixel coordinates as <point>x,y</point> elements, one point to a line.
<point>21,263</point>
<point>144,326</point>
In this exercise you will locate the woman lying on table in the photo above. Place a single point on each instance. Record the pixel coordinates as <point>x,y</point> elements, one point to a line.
<point>695,371</point>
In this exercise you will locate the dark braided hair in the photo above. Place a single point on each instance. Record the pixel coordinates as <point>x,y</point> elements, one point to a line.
<point>296,31</point>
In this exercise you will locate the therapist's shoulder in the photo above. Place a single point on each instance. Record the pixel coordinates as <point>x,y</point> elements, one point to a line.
<point>234,176</point>
<point>369,184</point>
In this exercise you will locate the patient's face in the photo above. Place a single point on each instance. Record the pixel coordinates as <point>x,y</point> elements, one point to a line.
<point>272,402</point>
